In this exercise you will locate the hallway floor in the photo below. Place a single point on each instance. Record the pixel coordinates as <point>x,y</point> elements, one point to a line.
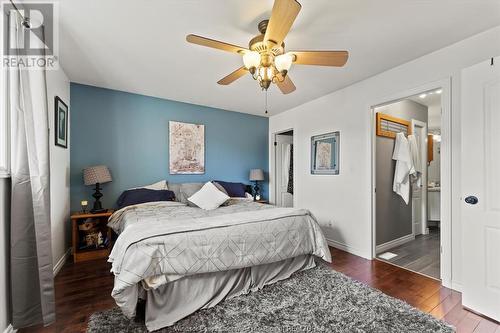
<point>421,255</point>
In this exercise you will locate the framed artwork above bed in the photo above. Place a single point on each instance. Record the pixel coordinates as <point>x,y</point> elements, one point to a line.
<point>186,148</point>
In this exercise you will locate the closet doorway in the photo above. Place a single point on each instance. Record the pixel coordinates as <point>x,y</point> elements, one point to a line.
<point>283,150</point>
<point>407,183</point>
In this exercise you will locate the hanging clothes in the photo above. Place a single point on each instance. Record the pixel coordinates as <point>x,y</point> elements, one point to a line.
<point>289,187</point>
<point>404,167</point>
<point>285,166</point>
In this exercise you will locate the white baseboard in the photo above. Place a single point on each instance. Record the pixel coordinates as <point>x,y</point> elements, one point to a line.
<point>393,243</point>
<point>347,248</point>
<point>10,329</point>
<point>60,263</point>
<point>456,286</point>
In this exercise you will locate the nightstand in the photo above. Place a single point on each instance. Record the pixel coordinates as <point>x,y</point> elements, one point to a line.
<point>262,201</point>
<point>98,222</point>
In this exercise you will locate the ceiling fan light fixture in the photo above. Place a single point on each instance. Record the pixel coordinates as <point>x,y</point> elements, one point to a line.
<point>283,62</point>
<point>251,59</point>
<point>265,76</point>
<point>265,58</point>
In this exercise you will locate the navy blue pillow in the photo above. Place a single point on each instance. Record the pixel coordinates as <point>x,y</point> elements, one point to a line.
<point>234,190</point>
<point>142,195</point>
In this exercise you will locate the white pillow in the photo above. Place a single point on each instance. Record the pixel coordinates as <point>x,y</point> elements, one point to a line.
<point>248,197</point>
<point>161,185</point>
<point>208,197</point>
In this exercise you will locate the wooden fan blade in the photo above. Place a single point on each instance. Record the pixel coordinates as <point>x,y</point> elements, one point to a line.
<point>282,17</point>
<point>287,85</point>
<point>233,76</point>
<point>203,41</point>
<point>321,58</point>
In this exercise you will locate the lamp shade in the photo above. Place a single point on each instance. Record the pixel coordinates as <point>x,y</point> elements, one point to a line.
<point>256,174</point>
<point>251,59</point>
<point>283,62</point>
<point>96,174</point>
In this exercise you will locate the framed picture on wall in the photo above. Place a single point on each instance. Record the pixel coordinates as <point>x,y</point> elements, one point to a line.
<point>186,148</point>
<point>61,122</point>
<point>325,154</point>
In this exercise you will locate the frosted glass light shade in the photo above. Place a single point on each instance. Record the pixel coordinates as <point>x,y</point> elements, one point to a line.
<point>283,62</point>
<point>266,73</point>
<point>251,59</point>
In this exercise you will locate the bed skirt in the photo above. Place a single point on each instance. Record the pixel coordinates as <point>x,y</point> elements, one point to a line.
<point>171,302</point>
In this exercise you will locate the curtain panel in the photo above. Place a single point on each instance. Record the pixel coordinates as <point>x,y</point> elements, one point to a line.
<point>32,285</point>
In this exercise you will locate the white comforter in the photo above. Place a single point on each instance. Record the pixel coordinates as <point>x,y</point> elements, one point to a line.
<point>164,241</point>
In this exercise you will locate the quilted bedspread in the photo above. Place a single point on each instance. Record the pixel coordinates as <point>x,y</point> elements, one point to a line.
<point>164,241</point>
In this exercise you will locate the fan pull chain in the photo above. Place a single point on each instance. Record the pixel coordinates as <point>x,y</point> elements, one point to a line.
<point>266,101</point>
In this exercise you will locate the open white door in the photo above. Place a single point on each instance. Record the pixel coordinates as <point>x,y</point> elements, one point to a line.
<point>481,188</point>
<point>282,145</point>
<point>419,190</point>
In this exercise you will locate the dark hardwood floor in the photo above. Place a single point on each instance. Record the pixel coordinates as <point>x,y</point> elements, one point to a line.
<point>84,288</point>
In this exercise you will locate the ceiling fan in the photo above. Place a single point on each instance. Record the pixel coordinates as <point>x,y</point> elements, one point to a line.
<point>265,58</point>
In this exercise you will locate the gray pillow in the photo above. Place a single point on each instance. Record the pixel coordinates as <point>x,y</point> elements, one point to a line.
<point>176,188</point>
<point>223,190</point>
<point>187,190</point>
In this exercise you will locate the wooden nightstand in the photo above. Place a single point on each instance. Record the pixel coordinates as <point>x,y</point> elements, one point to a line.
<point>262,201</point>
<point>80,253</point>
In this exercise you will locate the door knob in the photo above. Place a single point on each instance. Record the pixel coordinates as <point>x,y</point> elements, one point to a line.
<point>471,200</point>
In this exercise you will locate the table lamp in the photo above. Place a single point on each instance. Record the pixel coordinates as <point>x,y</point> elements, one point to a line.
<point>256,175</point>
<point>96,175</point>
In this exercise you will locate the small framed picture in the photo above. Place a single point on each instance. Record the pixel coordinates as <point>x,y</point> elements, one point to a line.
<point>61,122</point>
<point>325,154</point>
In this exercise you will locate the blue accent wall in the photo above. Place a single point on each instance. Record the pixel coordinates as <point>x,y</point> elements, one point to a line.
<point>129,133</point>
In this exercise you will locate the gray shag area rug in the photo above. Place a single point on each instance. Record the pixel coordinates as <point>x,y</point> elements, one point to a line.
<point>316,300</point>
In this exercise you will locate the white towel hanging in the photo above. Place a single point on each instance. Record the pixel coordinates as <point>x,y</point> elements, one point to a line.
<point>404,167</point>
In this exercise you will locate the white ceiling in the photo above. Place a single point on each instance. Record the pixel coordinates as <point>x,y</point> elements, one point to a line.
<point>140,47</point>
<point>431,99</point>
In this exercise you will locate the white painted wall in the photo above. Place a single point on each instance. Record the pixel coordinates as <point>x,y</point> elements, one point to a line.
<point>342,203</point>
<point>434,168</point>
<point>434,122</point>
<point>58,85</point>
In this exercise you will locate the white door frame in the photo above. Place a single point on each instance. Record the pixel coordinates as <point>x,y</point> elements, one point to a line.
<point>446,158</point>
<point>423,153</point>
<point>272,171</point>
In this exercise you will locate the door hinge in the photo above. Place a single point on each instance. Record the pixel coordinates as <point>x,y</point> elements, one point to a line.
<point>275,143</point>
<point>492,61</point>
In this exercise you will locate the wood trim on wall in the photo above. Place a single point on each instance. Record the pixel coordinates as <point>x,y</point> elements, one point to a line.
<point>392,119</point>
<point>430,148</point>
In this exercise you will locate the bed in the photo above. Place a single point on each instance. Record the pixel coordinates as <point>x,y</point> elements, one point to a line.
<point>180,259</point>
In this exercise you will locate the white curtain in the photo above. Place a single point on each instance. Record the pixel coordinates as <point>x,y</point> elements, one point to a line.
<point>32,287</point>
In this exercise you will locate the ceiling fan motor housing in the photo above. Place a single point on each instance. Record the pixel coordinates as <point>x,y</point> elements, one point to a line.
<point>257,43</point>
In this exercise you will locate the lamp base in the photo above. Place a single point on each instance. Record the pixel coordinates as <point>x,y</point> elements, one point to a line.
<point>97,203</point>
<point>256,190</point>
